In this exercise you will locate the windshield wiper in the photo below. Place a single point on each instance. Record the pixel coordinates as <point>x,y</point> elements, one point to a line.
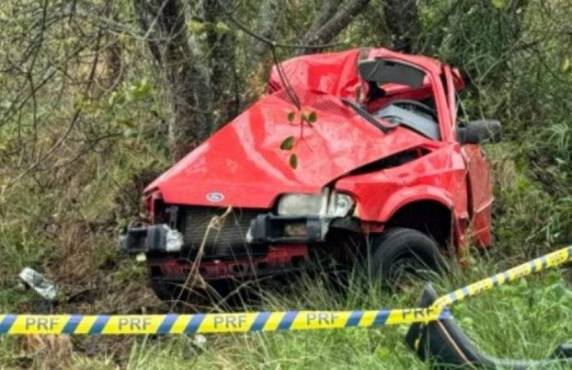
<point>368,117</point>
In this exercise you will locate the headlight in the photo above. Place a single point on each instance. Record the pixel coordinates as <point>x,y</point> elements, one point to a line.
<point>300,205</point>
<point>339,205</point>
<point>327,204</point>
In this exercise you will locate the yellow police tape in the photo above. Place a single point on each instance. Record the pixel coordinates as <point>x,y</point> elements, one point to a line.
<point>553,259</point>
<point>11,324</point>
<point>211,323</point>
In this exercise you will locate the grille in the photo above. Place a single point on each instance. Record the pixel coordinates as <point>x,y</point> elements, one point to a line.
<point>231,231</point>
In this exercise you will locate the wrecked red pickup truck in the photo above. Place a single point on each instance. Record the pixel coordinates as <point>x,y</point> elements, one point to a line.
<point>387,171</point>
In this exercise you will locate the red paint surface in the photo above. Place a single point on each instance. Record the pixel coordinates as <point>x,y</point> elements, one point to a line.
<point>243,161</point>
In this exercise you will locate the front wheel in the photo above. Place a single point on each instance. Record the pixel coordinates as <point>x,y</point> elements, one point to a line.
<point>401,255</point>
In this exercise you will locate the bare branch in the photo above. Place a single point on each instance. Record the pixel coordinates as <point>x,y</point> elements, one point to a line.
<point>335,24</point>
<point>327,11</point>
<point>274,43</point>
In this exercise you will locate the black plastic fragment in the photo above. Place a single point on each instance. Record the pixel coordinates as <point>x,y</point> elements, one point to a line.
<point>445,346</point>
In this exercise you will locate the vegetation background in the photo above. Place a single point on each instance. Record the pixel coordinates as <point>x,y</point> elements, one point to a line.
<point>97,97</point>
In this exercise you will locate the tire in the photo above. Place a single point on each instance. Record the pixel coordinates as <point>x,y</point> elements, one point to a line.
<point>400,255</point>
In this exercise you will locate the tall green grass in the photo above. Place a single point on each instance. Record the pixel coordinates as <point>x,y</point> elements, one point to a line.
<point>526,319</point>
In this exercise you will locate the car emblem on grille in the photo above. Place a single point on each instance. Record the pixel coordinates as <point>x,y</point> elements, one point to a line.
<point>215,197</point>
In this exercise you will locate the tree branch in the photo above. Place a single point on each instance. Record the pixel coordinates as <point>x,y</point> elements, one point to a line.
<point>334,25</point>
<point>327,11</point>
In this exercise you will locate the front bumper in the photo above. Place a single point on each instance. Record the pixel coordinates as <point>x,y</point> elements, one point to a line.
<point>273,229</point>
<point>264,229</point>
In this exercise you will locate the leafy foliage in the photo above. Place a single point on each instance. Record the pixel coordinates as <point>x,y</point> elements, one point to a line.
<point>288,143</point>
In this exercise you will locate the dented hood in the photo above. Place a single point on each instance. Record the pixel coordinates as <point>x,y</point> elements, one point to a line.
<point>242,164</point>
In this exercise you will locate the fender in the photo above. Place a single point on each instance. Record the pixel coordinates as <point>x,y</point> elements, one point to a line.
<point>409,195</point>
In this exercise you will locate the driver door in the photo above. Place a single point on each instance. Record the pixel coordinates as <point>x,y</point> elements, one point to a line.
<point>480,194</point>
<point>479,186</point>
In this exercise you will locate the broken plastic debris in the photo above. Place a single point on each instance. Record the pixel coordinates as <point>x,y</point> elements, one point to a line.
<point>141,257</point>
<point>174,240</point>
<point>200,341</point>
<point>44,287</point>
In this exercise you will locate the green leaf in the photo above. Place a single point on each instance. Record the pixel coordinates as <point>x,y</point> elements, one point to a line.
<point>293,161</point>
<point>566,65</point>
<point>288,143</point>
<point>291,116</point>
<point>383,352</point>
<point>196,27</point>
<point>312,117</point>
<point>221,27</point>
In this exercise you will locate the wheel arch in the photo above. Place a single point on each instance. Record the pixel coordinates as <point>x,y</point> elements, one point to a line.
<point>433,217</point>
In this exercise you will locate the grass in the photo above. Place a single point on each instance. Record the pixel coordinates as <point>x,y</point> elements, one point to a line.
<point>527,319</point>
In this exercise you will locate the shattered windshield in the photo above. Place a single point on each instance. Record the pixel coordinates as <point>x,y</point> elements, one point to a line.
<point>386,78</point>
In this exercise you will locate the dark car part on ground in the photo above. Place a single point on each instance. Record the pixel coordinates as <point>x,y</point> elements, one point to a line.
<point>446,346</point>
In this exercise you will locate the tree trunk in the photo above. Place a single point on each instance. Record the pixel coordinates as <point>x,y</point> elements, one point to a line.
<point>402,20</point>
<point>266,27</point>
<point>221,44</point>
<point>113,52</point>
<point>334,23</point>
<point>163,22</point>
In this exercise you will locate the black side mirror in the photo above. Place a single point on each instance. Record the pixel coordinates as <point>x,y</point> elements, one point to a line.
<point>476,132</point>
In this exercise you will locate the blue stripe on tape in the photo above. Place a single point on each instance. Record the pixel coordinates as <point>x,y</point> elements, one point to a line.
<point>532,265</point>
<point>495,280</point>
<point>354,319</point>
<point>167,324</point>
<point>445,314</point>
<point>287,320</point>
<point>506,276</point>
<point>98,325</point>
<point>452,297</point>
<point>6,324</point>
<point>72,324</point>
<point>544,262</point>
<point>195,323</point>
<point>381,318</point>
<point>465,291</point>
<point>260,320</point>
